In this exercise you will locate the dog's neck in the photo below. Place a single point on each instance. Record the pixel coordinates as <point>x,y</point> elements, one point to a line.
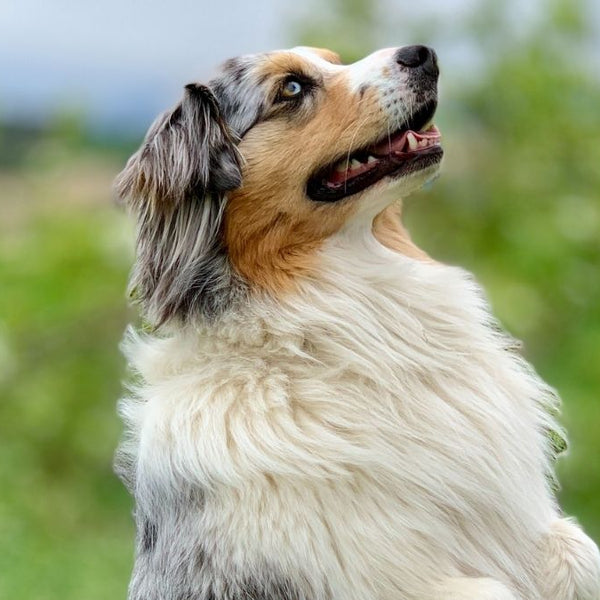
<point>389,230</point>
<point>372,280</point>
<point>378,292</point>
<point>378,298</point>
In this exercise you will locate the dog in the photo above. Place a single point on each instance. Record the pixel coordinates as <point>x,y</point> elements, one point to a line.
<point>320,410</point>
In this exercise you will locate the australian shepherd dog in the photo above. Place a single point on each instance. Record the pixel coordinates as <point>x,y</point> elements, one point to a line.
<point>320,410</point>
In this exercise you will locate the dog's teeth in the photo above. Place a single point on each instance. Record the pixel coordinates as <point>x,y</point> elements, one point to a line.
<point>371,159</point>
<point>355,164</point>
<point>412,141</point>
<point>341,167</point>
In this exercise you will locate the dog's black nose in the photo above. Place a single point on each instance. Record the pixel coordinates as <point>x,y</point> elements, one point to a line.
<point>418,57</point>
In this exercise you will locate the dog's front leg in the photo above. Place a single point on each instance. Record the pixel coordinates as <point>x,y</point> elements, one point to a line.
<point>472,588</point>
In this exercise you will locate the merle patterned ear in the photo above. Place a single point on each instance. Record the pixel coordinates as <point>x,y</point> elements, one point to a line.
<point>188,151</point>
<point>176,184</point>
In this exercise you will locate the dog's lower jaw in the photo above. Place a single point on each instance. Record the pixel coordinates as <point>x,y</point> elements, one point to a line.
<point>390,192</point>
<point>372,438</point>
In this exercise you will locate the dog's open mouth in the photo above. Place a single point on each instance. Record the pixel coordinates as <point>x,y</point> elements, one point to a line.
<point>411,148</point>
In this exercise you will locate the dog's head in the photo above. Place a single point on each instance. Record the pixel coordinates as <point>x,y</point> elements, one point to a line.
<point>240,184</point>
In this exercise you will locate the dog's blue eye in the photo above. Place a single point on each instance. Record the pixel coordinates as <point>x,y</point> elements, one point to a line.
<point>291,89</point>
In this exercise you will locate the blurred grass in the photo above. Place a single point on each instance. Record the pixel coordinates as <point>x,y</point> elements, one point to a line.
<point>518,204</point>
<point>64,256</point>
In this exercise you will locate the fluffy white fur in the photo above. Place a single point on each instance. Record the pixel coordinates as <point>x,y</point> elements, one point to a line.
<point>376,436</point>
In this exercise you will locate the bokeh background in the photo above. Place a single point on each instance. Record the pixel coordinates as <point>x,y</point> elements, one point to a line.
<point>518,204</point>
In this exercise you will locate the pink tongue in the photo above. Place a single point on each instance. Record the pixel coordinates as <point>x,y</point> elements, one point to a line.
<point>395,144</point>
<point>399,143</point>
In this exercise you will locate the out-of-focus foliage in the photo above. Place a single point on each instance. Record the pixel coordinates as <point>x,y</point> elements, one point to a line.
<point>347,26</point>
<point>65,529</point>
<point>518,203</point>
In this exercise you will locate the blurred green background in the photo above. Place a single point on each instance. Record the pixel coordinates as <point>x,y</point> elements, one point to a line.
<point>518,204</point>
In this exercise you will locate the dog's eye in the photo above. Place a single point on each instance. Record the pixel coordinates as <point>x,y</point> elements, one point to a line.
<point>291,89</point>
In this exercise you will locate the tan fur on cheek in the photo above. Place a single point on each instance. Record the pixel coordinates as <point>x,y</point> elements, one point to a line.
<point>272,230</point>
<point>390,232</point>
<point>273,238</point>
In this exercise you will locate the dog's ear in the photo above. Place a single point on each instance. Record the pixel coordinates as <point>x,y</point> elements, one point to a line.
<point>176,185</point>
<point>188,151</point>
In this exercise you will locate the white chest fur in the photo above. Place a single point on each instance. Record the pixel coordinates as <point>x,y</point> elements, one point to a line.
<point>374,433</point>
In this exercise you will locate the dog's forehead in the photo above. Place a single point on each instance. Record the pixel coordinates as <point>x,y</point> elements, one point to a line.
<point>356,74</point>
<point>258,69</point>
<point>263,64</point>
<point>242,83</point>
<point>322,58</point>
